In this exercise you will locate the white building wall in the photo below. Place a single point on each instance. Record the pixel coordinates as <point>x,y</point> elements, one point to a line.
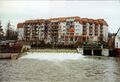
<point>95,37</point>
<point>93,30</point>
<point>30,30</point>
<point>49,37</point>
<point>117,40</point>
<point>63,27</point>
<point>98,30</point>
<point>105,33</point>
<point>20,33</point>
<point>81,29</point>
<point>78,28</point>
<point>88,29</point>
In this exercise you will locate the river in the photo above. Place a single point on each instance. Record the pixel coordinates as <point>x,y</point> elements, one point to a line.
<point>56,67</point>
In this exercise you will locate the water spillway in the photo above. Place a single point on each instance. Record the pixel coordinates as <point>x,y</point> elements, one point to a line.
<point>51,56</point>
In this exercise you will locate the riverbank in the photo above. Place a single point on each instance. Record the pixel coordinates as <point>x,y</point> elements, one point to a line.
<point>54,50</point>
<point>9,55</point>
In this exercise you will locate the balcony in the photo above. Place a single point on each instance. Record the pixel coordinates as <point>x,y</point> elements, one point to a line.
<point>101,34</point>
<point>91,26</point>
<point>28,29</point>
<point>101,27</point>
<point>84,33</point>
<point>27,32</point>
<point>33,29</point>
<point>85,29</point>
<point>96,30</point>
<point>27,36</point>
<point>37,28</point>
<point>71,33</point>
<point>90,30</point>
<point>36,32</point>
<point>70,23</point>
<point>84,25</point>
<point>90,34</point>
<point>96,34</point>
<point>54,25</point>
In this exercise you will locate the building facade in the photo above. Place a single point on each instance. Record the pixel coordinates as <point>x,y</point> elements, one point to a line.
<point>117,39</point>
<point>117,43</point>
<point>64,30</point>
<point>1,32</point>
<point>20,31</point>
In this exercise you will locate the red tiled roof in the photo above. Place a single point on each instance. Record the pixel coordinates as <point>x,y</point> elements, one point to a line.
<point>84,20</point>
<point>20,25</point>
<point>96,22</point>
<point>34,21</point>
<point>63,19</point>
<point>90,20</point>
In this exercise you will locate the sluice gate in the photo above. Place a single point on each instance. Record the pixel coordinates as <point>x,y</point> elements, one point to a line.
<point>94,48</point>
<point>96,52</point>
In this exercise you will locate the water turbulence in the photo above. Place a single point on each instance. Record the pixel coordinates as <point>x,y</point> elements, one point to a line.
<point>51,56</point>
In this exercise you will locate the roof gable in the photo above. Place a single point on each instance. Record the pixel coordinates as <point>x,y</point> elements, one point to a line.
<point>118,32</point>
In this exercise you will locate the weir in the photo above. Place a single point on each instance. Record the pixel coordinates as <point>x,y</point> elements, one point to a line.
<point>51,56</point>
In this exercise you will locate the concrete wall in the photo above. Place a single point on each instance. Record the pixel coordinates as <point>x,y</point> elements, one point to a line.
<point>80,50</point>
<point>105,52</point>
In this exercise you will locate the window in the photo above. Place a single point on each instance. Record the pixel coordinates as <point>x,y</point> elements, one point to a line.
<point>76,38</point>
<point>77,26</point>
<point>90,33</point>
<point>101,27</point>
<point>77,33</point>
<point>64,30</point>
<point>71,39</point>
<point>66,39</point>
<point>117,44</point>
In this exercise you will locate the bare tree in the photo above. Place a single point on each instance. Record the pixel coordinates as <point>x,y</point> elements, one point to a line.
<point>11,34</point>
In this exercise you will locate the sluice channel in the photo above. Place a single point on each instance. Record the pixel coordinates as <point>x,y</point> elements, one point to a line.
<point>96,52</point>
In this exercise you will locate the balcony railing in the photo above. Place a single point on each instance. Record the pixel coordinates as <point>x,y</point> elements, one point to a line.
<point>84,25</point>
<point>84,33</point>
<point>91,26</point>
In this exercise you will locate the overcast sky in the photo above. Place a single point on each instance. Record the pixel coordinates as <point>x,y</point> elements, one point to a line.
<point>19,11</point>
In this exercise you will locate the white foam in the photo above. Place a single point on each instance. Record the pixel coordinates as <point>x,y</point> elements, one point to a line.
<point>51,56</point>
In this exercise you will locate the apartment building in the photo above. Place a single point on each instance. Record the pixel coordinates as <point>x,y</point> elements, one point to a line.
<point>63,30</point>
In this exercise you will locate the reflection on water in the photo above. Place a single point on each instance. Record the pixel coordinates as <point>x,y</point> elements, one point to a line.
<point>51,56</point>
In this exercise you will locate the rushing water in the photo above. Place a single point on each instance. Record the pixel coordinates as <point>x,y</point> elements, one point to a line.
<point>52,56</point>
<point>60,67</point>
